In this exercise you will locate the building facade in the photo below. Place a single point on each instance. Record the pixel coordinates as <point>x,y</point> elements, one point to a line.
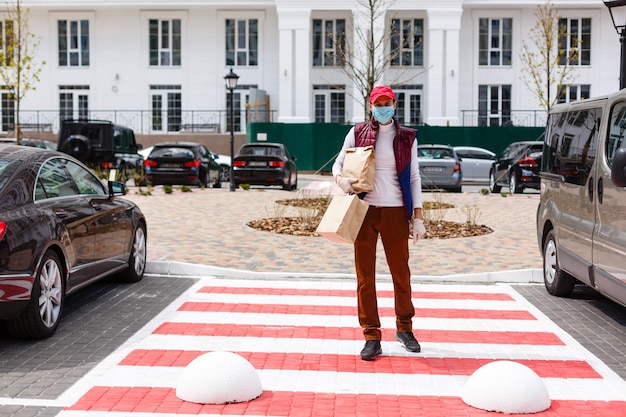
<point>158,66</point>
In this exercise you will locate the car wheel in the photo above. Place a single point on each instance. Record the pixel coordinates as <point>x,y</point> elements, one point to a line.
<point>287,185</point>
<point>204,178</point>
<point>514,187</point>
<point>137,260</point>
<point>42,314</point>
<point>493,186</point>
<point>557,282</point>
<point>224,173</point>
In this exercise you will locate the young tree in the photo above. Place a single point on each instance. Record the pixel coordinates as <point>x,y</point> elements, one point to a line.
<point>18,47</point>
<point>365,62</point>
<point>547,63</point>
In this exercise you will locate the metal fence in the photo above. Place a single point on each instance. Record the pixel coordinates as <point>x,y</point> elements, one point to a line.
<point>142,121</point>
<point>522,118</point>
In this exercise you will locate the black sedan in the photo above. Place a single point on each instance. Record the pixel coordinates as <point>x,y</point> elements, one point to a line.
<point>517,167</point>
<point>265,163</point>
<point>60,229</point>
<point>182,163</point>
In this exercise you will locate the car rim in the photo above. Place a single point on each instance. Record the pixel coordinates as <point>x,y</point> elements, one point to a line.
<point>225,173</point>
<point>549,262</point>
<point>51,293</point>
<point>512,184</point>
<point>139,251</point>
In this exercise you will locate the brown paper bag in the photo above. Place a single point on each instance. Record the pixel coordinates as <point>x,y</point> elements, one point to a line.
<point>360,163</point>
<point>343,218</point>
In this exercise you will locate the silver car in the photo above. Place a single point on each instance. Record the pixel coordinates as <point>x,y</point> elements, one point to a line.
<point>475,163</point>
<point>440,167</point>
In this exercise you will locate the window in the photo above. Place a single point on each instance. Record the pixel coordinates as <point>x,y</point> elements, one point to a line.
<point>330,104</point>
<point>329,37</point>
<point>165,42</point>
<point>569,93</point>
<point>572,140</point>
<point>407,42</point>
<point>73,43</point>
<point>74,102</point>
<point>8,112</point>
<point>494,105</point>
<point>166,101</point>
<point>408,104</point>
<point>87,183</point>
<point>575,41</point>
<point>242,42</point>
<point>495,41</point>
<point>6,39</point>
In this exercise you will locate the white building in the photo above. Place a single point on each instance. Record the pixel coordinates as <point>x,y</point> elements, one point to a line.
<point>158,65</point>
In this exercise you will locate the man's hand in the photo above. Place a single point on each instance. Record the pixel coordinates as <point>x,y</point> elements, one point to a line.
<point>346,185</point>
<point>418,230</point>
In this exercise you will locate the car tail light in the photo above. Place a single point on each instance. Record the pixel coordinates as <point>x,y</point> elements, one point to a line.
<point>107,165</point>
<point>276,163</point>
<point>457,167</point>
<point>527,162</point>
<point>192,164</point>
<point>240,163</point>
<point>3,228</point>
<point>149,163</point>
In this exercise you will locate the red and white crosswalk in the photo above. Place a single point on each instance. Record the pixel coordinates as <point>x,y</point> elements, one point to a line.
<point>303,339</point>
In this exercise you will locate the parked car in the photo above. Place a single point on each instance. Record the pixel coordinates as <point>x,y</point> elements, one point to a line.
<point>440,167</point>
<point>265,163</point>
<point>104,147</point>
<point>182,163</point>
<point>580,218</point>
<point>517,167</point>
<point>61,228</point>
<point>38,143</point>
<point>475,163</point>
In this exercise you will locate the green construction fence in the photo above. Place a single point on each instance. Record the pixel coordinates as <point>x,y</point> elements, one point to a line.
<point>315,145</point>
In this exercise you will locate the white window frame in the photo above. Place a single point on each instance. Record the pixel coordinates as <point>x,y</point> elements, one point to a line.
<point>500,49</point>
<point>146,16</point>
<point>326,92</point>
<point>222,16</point>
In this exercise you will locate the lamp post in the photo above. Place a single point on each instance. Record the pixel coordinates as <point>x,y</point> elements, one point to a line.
<point>617,9</point>
<point>231,83</point>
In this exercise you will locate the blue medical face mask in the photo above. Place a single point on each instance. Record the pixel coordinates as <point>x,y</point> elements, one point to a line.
<point>383,114</point>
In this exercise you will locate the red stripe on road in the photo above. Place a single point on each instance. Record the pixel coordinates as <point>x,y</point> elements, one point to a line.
<point>351,363</point>
<point>447,313</point>
<point>351,293</point>
<point>350,333</point>
<point>280,403</point>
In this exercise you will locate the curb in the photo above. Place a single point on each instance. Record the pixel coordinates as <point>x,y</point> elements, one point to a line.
<point>182,269</point>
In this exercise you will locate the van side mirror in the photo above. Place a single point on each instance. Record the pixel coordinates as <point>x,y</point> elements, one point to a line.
<point>618,168</point>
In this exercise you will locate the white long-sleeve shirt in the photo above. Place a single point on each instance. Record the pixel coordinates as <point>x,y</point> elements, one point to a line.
<point>387,192</point>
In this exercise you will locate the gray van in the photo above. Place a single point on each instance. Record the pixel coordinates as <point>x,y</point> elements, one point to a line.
<point>581,218</point>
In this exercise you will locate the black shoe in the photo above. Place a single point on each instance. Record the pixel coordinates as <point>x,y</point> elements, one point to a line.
<point>408,341</point>
<point>371,350</point>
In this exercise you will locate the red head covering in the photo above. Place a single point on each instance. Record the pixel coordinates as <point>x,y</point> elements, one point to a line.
<point>381,91</point>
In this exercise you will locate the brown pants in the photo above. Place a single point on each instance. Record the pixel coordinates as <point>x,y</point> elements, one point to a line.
<point>393,227</point>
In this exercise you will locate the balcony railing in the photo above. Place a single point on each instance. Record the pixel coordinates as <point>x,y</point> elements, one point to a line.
<point>146,121</point>
<point>525,118</point>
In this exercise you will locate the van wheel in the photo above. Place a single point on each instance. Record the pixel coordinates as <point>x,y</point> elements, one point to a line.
<point>557,281</point>
<point>493,187</point>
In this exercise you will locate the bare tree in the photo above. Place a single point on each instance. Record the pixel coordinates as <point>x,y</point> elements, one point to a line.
<point>18,69</point>
<point>547,63</point>
<point>366,67</point>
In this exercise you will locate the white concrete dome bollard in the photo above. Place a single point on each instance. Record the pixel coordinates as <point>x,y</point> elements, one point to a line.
<point>506,387</point>
<point>219,378</point>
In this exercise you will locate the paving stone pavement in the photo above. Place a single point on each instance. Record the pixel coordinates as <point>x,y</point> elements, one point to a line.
<point>208,227</point>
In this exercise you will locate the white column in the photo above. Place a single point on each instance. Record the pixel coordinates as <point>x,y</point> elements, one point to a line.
<point>294,66</point>
<point>443,61</point>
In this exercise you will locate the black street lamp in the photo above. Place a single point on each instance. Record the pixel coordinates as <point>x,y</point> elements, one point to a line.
<point>617,9</point>
<point>231,83</point>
